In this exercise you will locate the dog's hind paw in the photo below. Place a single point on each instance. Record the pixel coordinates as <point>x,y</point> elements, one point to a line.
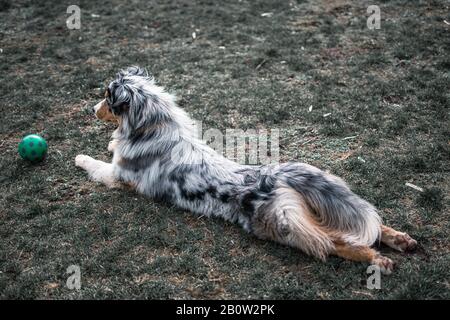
<point>385,264</point>
<point>397,240</point>
<point>404,242</point>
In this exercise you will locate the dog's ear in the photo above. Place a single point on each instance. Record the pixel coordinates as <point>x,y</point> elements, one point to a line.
<point>134,71</point>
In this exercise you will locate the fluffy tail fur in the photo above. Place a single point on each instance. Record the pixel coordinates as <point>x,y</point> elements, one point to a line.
<point>335,208</point>
<point>312,210</point>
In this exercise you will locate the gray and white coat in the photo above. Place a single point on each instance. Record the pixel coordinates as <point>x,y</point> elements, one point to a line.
<point>156,152</point>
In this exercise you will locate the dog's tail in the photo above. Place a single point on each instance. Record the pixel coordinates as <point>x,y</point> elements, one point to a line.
<point>334,208</point>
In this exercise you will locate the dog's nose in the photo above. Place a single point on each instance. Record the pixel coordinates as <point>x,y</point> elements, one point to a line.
<point>93,110</point>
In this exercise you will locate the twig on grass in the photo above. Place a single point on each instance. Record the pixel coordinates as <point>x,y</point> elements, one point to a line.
<point>307,141</point>
<point>351,137</point>
<point>414,186</point>
<point>261,64</point>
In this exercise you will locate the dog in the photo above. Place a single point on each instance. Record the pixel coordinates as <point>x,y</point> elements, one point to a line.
<point>295,204</point>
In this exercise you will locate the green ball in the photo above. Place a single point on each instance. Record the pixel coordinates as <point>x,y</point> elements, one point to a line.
<point>33,148</point>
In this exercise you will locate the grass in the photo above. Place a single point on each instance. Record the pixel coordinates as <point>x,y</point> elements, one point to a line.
<point>387,89</point>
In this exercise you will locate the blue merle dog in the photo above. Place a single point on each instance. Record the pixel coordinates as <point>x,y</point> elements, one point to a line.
<point>157,154</point>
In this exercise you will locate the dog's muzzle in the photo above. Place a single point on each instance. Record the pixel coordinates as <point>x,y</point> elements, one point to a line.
<point>102,111</point>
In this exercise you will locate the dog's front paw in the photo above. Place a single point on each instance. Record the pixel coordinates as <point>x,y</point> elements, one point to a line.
<point>82,160</point>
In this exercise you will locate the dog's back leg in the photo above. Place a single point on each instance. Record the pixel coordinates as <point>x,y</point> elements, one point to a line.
<point>397,240</point>
<point>363,254</point>
<point>287,219</point>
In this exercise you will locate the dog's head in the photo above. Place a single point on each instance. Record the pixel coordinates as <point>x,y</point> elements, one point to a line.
<point>119,94</point>
<point>133,100</point>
